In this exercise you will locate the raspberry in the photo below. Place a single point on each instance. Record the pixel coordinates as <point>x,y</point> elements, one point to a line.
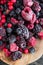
<point>28,15</point>
<point>31,26</point>
<point>32,42</point>
<point>13,47</point>
<point>26,51</point>
<point>40,34</point>
<point>28,2</point>
<point>14,21</point>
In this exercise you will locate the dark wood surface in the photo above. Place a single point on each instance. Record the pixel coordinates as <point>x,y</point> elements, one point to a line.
<point>39,62</point>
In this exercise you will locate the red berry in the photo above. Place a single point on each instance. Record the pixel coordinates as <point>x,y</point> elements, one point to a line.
<point>9,25</point>
<point>40,34</point>
<point>0,37</point>
<point>31,26</point>
<point>32,41</point>
<point>37,21</point>
<point>10,7</point>
<point>14,21</point>
<point>3,21</point>
<point>7,53</point>
<point>0,23</point>
<point>10,3</point>
<point>26,51</point>
<point>14,1</point>
<point>13,47</point>
<point>3,16</point>
<point>20,49</point>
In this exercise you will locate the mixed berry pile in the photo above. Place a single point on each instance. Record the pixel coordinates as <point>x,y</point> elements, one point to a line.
<point>21,24</point>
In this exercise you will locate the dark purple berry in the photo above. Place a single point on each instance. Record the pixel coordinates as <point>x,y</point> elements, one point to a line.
<point>16,55</point>
<point>2,31</point>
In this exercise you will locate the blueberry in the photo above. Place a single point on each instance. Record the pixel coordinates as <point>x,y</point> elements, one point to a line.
<point>38,14</point>
<point>18,10</point>
<point>12,39</point>
<point>16,55</point>
<point>9,30</point>
<point>37,28</point>
<point>1,43</point>
<point>5,7</point>
<point>32,50</point>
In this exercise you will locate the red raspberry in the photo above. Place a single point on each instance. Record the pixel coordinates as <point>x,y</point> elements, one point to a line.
<point>26,51</point>
<point>14,1</point>
<point>31,26</point>
<point>32,42</point>
<point>13,47</point>
<point>14,21</point>
<point>7,53</point>
<point>40,34</point>
<point>28,2</point>
<point>28,15</point>
<point>9,25</point>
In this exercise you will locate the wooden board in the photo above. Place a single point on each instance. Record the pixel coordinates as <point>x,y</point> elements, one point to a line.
<point>26,58</point>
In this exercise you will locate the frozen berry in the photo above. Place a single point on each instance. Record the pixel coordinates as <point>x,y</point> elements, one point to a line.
<point>9,30</point>
<point>12,39</point>
<point>40,34</point>
<point>28,2</point>
<point>13,47</point>
<point>32,41</point>
<point>26,51</point>
<point>31,50</point>
<point>16,55</point>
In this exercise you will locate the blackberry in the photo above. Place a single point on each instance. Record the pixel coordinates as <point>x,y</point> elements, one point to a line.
<point>24,31</point>
<point>21,43</point>
<point>16,55</point>
<point>2,31</point>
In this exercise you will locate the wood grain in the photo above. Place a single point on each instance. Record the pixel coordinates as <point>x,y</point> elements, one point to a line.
<point>26,58</point>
